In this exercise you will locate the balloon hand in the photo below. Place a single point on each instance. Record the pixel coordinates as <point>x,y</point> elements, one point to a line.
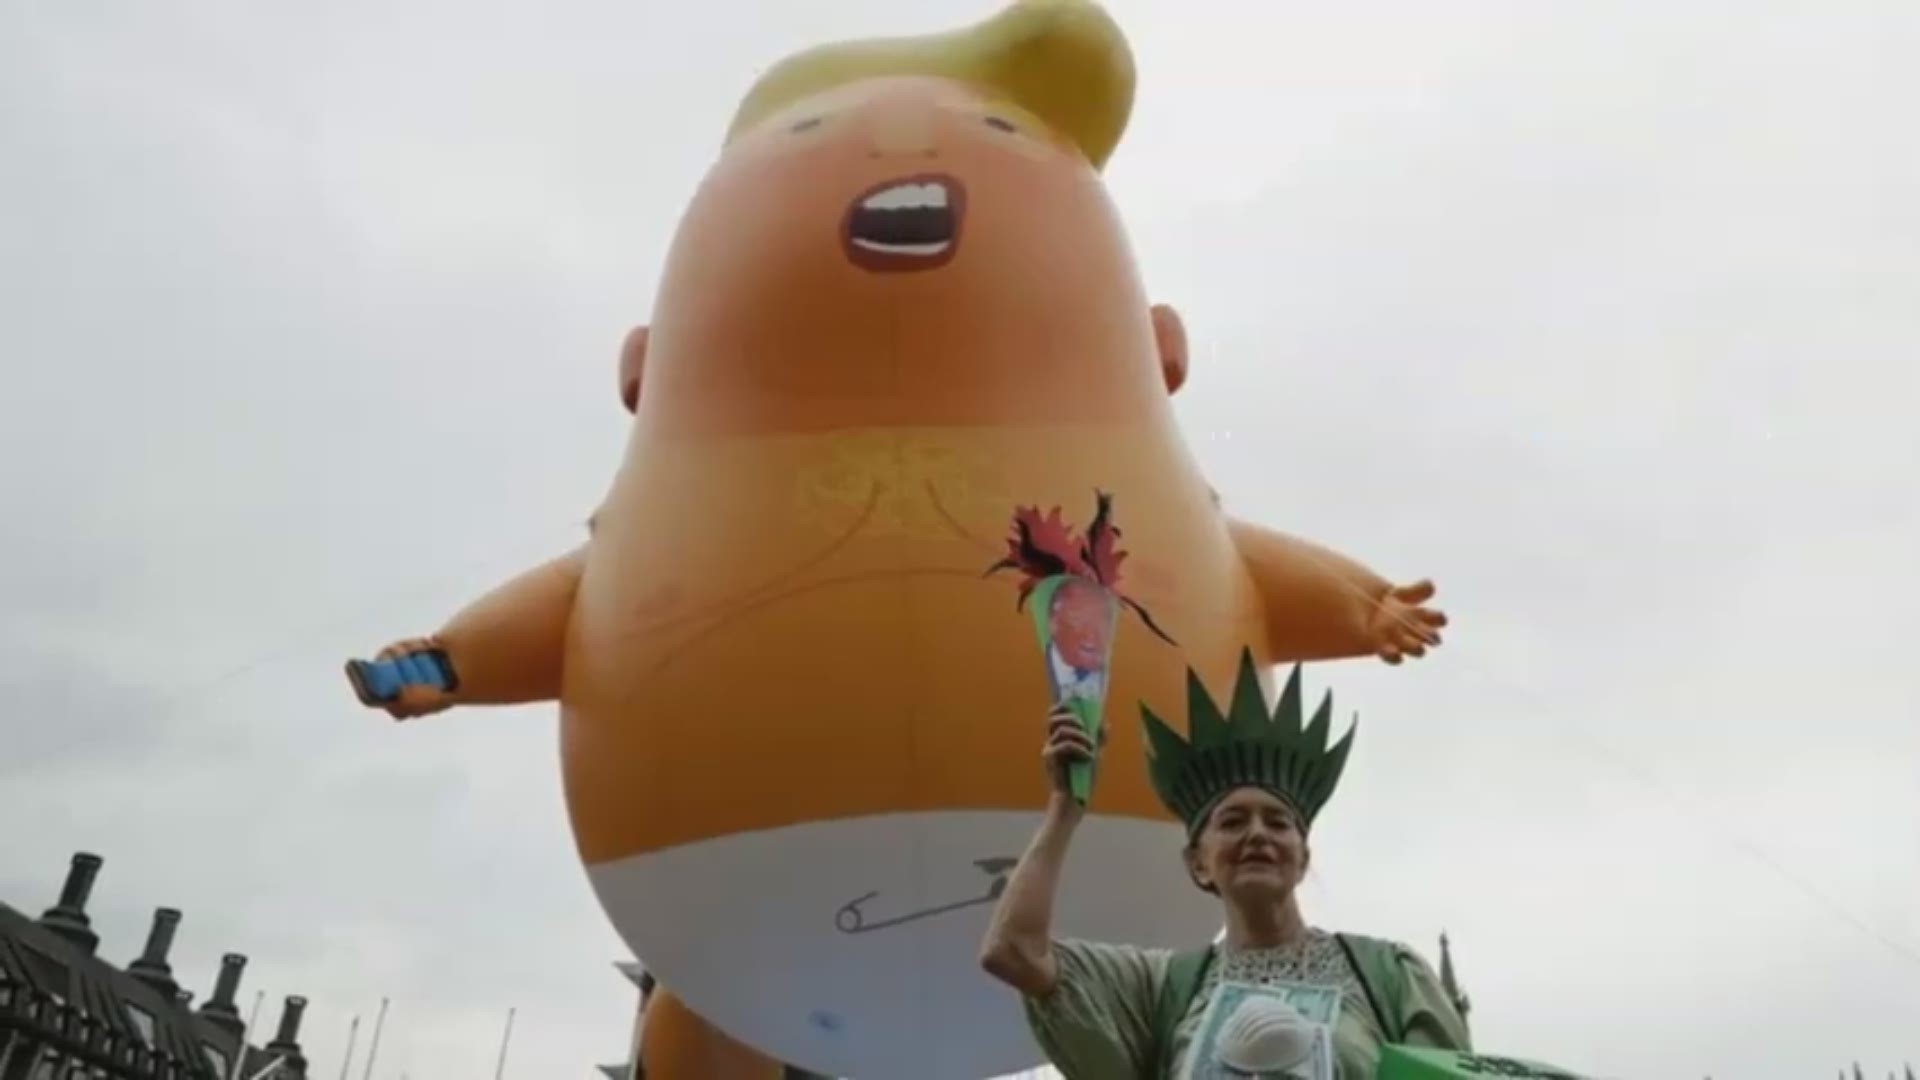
<point>1402,625</point>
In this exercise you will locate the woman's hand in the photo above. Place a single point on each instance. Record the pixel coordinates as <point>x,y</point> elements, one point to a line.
<point>1067,744</point>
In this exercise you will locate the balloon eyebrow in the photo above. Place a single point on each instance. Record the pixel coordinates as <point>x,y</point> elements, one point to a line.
<point>1003,125</point>
<point>804,125</point>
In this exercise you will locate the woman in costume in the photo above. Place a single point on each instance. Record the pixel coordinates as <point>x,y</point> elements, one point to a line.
<point>1277,996</point>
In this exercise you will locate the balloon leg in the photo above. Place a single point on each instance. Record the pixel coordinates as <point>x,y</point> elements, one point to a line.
<point>676,1044</point>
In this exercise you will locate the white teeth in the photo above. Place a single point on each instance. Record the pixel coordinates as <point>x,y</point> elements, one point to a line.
<point>903,249</point>
<point>908,197</point>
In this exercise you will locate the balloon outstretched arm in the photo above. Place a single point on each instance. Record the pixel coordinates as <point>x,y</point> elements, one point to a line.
<point>1321,605</point>
<point>504,649</point>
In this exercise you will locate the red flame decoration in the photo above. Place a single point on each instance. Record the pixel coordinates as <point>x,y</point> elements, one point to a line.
<point>1044,547</point>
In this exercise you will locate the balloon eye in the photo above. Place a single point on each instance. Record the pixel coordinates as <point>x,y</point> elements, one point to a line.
<point>1002,125</point>
<point>808,124</point>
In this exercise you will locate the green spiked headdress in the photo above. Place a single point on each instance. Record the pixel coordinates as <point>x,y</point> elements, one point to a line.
<point>1247,746</point>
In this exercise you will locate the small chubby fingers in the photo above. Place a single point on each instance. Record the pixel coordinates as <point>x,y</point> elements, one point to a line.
<point>408,647</point>
<point>1071,746</point>
<point>1421,632</point>
<point>1074,734</point>
<point>1417,593</point>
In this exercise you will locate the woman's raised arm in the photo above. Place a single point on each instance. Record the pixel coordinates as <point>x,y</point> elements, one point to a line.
<point>1018,949</point>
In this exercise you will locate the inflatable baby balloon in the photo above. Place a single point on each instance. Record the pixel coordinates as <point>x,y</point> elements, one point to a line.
<point>899,341</point>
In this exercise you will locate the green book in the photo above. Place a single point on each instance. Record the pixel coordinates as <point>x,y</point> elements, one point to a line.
<point>1409,1063</point>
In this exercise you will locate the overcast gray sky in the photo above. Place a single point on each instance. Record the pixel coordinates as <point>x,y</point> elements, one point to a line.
<point>1603,315</point>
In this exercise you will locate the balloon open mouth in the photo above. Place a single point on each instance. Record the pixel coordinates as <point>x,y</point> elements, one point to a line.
<point>910,223</point>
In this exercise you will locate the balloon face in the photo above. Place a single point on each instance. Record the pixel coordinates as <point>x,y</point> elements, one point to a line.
<point>801,724</point>
<point>898,251</point>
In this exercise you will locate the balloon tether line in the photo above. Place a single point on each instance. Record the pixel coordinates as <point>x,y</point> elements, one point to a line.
<point>298,640</point>
<point>1634,771</point>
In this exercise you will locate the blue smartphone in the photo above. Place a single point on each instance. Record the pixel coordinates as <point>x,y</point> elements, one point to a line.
<point>379,682</point>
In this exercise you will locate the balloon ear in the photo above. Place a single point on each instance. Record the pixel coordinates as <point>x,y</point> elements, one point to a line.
<point>633,357</point>
<point>1170,337</point>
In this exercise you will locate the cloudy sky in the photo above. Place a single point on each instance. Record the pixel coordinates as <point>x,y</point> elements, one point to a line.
<point>1603,315</point>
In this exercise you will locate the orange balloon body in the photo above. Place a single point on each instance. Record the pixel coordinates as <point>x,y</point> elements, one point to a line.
<point>799,721</point>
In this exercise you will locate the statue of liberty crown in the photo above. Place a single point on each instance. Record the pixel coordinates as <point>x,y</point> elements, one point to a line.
<point>1248,746</point>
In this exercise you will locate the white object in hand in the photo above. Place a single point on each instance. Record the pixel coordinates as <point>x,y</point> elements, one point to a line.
<point>1266,1035</point>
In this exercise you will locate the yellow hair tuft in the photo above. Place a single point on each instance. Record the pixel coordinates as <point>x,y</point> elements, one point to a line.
<point>1065,61</point>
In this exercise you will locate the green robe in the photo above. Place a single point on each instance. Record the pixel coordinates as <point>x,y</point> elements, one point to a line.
<point>1097,1023</point>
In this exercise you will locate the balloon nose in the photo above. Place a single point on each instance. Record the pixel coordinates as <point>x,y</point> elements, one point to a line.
<point>903,132</point>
